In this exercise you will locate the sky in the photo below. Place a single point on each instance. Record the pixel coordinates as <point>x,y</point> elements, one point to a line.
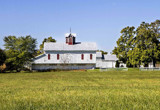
<point>97,21</point>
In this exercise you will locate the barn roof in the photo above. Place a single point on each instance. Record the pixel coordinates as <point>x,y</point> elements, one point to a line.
<point>85,46</point>
<point>110,57</point>
<point>39,55</point>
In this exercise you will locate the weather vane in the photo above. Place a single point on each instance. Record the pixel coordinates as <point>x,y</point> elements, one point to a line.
<point>70,30</point>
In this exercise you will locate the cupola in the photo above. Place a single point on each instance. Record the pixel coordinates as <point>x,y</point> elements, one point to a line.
<point>70,38</point>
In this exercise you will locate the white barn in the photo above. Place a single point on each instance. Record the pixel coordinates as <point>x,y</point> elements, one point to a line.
<point>69,55</point>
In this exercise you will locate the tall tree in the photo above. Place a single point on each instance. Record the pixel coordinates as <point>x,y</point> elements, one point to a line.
<point>125,44</point>
<point>19,51</point>
<point>148,43</point>
<point>155,26</point>
<point>141,46</point>
<point>49,39</point>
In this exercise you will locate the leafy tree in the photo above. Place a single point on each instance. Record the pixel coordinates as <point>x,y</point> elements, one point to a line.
<point>141,46</point>
<point>2,57</point>
<point>49,39</point>
<point>147,42</point>
<point>155,26</point>
<point>19,51</point>
<point>125,44</point>
<point>134,57</point>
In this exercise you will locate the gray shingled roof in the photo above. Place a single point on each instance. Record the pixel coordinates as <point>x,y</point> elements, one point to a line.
<point>110,57</point>
<point>85,46</point>
<point>99,54</point>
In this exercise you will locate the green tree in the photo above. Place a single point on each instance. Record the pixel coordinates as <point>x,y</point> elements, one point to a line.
<point>2,57</point>
<point>148,43</point>
<point>49,39</point>
<point>155,26</point>
<point>125,44</point>
<point>141,46</point>
<point>19,51</point>
<point>134,57</point>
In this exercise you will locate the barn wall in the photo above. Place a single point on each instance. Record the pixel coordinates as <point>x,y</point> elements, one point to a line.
<point>66,57</point>
<point>98,63</point>
<point>108,64</point>
<point>63,67</point>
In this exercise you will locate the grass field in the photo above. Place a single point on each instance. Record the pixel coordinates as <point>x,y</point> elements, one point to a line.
<point>92,90</point>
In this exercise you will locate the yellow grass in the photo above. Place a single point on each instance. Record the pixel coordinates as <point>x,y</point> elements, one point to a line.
<point>80,90</point>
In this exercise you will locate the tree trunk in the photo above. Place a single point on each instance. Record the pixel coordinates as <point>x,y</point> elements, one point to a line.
<point>133,66</point>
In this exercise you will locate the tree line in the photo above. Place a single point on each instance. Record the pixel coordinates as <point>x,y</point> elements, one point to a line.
<point>139,46</point>
<point>19,51</point>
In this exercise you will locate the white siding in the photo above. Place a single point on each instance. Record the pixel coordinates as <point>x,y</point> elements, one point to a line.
<point>108,64</point>
<point>71,57</point>
<point>98,63</point>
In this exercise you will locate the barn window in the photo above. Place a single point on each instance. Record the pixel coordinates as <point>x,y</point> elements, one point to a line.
<point>82,56</point>
<point>91,56</point>
<point>49,56</point>
<point>57,56</point>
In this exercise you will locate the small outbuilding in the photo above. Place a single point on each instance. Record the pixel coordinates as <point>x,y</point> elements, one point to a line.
<point>107,61</point>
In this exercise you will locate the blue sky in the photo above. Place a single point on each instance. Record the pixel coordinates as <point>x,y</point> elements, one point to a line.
<point>97,21</point>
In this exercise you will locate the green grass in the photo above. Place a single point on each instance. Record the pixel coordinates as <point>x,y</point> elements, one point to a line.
<point>92,90</point>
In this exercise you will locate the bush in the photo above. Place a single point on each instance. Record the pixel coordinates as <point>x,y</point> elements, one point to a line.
<point>2,68</point>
